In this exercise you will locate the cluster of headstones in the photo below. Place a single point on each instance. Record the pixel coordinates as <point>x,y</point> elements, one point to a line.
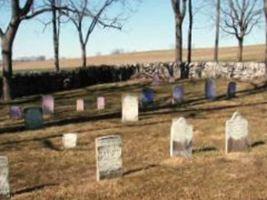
<point>33,116</point>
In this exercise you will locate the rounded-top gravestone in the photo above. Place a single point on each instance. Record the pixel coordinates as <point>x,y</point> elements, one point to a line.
<point>33,117</point>
<point>210,89</point>
<point>178,94</point>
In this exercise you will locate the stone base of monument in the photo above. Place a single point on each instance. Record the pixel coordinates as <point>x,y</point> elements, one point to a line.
<point>182,149</point>
<point>239,145</point>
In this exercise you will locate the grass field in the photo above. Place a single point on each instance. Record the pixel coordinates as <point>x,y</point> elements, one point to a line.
<point>41,169</point>
<point>251,53</point>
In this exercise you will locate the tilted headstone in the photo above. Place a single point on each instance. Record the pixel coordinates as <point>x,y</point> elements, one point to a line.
<point>231,90</point>
<point>4,176</point>
<point>130,108</point>
<point>147,97</point>
<point>210,89</point>
<point>181,138</point>
<point>101,103</point>
<point>33,117</point>
<point>236,134</point>
<point>15,112</point>
<point>69,140</point>
<point>48,104</point>
<point>178,94</point>
<point>108,157</point>
<point>80,105</point>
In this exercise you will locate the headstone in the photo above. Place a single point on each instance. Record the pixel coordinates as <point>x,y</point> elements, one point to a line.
<point>109,157</point>
<point>231,90</point>
<point>210,89</point>
<point>147,97</point>
<point>178,94</point>
<point>236,134</point>
<point>80,105</point>
<point>181,138</point>
<point>101,103</point>
<point>69,140</point>
<point>156,79</point>
<point>129,108</point>
<point>15,112</point>
<point>33,117</point>
<point>4,176</point>
<point>48,104</point>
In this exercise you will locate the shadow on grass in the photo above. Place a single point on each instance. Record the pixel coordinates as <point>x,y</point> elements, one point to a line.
<point>139,169</point>
<point>49,145</point>
<point>257,143</point>
<point>204,149</point>
<point>33,189</point>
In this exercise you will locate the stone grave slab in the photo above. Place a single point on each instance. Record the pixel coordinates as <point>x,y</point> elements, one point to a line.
<point>69,140</point>
<point>231,90</point>
<point>130,108</point>
<point>48,104</point>
<point>80,105</point>
<point>101,103</point>
<point>210,89</point>
<point>4,178</point>
<point>178,94</point>
<point>15,112</point>
<point>33,117</point>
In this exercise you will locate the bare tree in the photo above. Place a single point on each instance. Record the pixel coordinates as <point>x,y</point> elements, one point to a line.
<point>240,17</point>
<point>190,29</point>
<point>179,8</point>
<point>217,34</point>
<point>265,14</point>
<point>20,11</point>
<point>86,19</point>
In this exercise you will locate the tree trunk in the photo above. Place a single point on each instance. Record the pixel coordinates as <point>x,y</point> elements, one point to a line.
<point>218,15</point>
<point>265,12</point>
<point>240,51</point>
<point>179,41</point>
<point>83,46</point>
<point>55,36</point>
<point>189,54</point>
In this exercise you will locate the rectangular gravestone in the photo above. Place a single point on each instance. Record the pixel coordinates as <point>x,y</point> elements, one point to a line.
<point>48,104</point>
<point>147,97</point>
<point>15,112</point>
<point>231,90</point>
<point>178,95</point>
<point>108,157</point>
<point>4,176</point>
<point>181,138</point>
<point>210,89</point>
<point>130,108</point>
<point>236,134</point>
<point>80,105</point>
<point>33,117</point>
<point>101,103</point>
<point>69,140</point>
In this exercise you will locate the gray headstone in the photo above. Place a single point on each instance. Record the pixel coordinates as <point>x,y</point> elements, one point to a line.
<point>48,104</point>
<point>130,108</point>
<point>147,97</point>
<point>69,140</point>
<point>178,94</point>
<point>181,138</point>
<point>4,176</point>
<point>231,90</point>
<point>16,112</point>
<point>236,134</point>
<point>109,157</point>
<point>33,117</point>
<point>210,89</point>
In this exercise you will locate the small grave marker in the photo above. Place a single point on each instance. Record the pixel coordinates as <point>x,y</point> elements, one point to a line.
<point>236,134</point>
<point>178,94</point>
<point>231,90</point>
<point>147,97</point>
<point>181,138</point>
<point>210,89</point>
<point>4,176</point>
<point>48,104</point>
<point>80,105</point>
<point>16,112</point>
<point>101,103</point>
<point>69,140</point>
<point>109,157</point>
<point>130,108</point>
<point>33,117</point>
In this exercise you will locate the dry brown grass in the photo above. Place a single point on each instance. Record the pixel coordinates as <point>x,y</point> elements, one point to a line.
<point>41,169</point>
<point>251,53</point>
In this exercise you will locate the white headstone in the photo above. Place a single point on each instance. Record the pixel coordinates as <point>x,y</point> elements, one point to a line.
<point>48,104</point>
<point>4,175</point>
<point>236,134</point>
<point>69,140</point>
<point>100,103</point>
<point>108,157</point>
<point>181,138</point>
<point>80,105</point>
<point>129,108</point>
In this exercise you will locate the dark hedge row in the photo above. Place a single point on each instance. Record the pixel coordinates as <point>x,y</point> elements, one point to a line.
<point>30,83</point>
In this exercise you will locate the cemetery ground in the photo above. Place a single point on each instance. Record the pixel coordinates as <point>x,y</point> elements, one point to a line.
<point>41,169</point>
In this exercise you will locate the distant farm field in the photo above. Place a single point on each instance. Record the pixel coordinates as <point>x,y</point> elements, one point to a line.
<point>251,53</point>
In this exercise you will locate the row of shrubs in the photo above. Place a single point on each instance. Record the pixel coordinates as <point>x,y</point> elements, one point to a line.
<point>30,83</point>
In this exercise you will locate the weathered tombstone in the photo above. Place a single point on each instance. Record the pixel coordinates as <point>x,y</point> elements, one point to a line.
<point>15,112</point>
<point>33,117</point>
<point>48,104</point>
<point>130,108</point>
<point>236,134</point>
<point>181,138</point>
<point>147,97</point>
<point>69,140</point>
<point>108,157</point>
<point>80,105</point>
<point>4,176</point>
<point>231,90</point>
<point>178,94</point>
<point>210,89</point>
<point>101,103</point>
